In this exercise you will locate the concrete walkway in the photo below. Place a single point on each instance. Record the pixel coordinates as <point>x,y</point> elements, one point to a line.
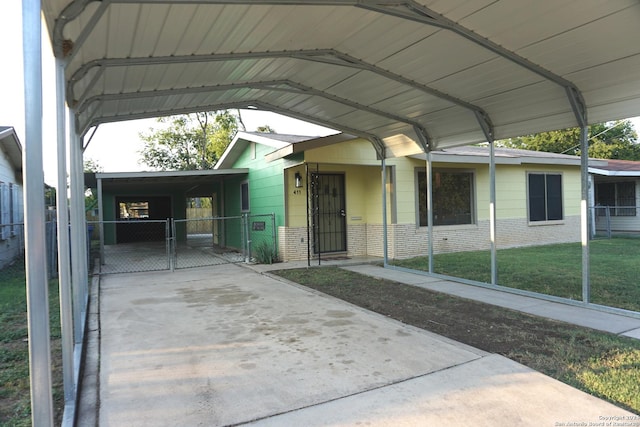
<point>581,316</point>
<point>225,345</point>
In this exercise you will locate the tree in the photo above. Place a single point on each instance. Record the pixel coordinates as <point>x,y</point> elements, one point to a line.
<point>91,199</point>
<point>189,142</point>
<point>266,129</point>
<point>610,140</point>
<point>91,165</point>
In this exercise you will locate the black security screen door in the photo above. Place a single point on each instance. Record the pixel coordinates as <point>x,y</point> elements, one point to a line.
<point>329,215</point>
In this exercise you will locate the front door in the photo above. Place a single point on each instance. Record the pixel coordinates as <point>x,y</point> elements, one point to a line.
<point>329,215</point>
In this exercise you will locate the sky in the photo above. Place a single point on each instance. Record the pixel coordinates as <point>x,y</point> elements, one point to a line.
<point>114,146</point>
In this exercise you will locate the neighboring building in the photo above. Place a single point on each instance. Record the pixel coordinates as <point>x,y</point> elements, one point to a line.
<point>11,203</point>
<point>616,194</point>
<point>327,196</point>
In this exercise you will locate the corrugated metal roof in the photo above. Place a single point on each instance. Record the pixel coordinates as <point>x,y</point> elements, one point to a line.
<point>401,73</point>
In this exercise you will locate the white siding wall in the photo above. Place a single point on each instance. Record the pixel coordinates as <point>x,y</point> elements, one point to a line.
<point>11,211</point>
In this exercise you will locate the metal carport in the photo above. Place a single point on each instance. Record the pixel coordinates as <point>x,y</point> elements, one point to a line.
<point>410,76</point>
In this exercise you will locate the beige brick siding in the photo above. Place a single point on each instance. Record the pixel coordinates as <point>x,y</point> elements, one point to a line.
<point>407,240</point>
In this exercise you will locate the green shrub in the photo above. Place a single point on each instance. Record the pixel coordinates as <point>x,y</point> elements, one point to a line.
<point>264,253</point>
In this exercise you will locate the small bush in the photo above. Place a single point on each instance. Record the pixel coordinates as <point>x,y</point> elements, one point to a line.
<point>264,253</point>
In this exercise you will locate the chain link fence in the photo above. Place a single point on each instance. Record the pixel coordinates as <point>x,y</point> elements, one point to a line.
<point>261,238</point>
<point>150,245</point>
<point>131,245</point>
<point>12,249</point>
<point>207,241</point>
<point>615,221</point>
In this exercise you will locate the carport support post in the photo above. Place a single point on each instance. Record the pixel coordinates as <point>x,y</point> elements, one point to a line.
<point>35,235</point>
<point>584,211</point>
<point>101,220</point>
<point>64,266</point>
<point>79,275</point>
<point>492,211</point>
<point>385,251</point>
<point>429,178</point>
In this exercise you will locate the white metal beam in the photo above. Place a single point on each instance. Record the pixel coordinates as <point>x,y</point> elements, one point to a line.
<point>64,264</point>
<point>273,85</point>
<point>34,210</point>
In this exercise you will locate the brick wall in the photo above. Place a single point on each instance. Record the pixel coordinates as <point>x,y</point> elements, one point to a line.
<point>407,240</point>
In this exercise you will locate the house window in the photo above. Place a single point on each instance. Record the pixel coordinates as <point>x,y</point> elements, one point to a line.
<point>244,196</point>
<point>617,196</point>
<point>453,202</point>
<point>545,197</point>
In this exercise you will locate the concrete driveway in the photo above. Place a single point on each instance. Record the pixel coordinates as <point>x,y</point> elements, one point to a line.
<point>225,345</point>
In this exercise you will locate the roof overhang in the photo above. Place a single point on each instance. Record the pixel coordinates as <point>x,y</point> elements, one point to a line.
<point>10,144</point>
<point>504,156</point>
<point>194,183</point>
<point>409,76</point>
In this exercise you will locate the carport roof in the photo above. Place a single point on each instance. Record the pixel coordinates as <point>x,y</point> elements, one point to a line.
<point>191,182</point>
<point>407,75</point>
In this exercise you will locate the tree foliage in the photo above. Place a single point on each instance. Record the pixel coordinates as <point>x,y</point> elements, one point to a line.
<point>92,165</point>
<point>610,140</point>
<point>190,141</point>
<point>266,129</point>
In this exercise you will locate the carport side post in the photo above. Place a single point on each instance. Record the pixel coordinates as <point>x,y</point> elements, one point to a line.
<point>79,275</point>
<point>429,178</point>
<point>579,108</point>
<point>64,265</point>
<point>487,129</point>
<point>385,251</point>
<point>35,235</point>
<point>584,212</point>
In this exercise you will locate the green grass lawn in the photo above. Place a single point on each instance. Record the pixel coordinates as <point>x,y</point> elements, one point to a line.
<point>553,269</point>
<point>15,403</point>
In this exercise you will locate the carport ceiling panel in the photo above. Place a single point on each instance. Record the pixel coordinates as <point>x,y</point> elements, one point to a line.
<point>585,51</point>
<point>495,76</point>
<point>445,125</point>
<point>384,38</point>
<point>431,59</point>
<point>516,106</point>
<point>514,24</point>
<point>370,89</point>
<point>608,87</point>
<point>412,104</point>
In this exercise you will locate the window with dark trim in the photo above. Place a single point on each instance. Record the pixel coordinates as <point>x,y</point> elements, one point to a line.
<point>244,196</point>
<point>453,202</point>
<point>545,197</point>
<point>620,197</point>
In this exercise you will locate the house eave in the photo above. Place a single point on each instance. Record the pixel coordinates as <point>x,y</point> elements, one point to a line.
<point>603,172</point>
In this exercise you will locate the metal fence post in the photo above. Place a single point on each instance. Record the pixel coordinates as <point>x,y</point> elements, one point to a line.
<point>274,236</point>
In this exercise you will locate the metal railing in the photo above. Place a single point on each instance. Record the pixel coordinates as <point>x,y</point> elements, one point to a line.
<point>610,221</point>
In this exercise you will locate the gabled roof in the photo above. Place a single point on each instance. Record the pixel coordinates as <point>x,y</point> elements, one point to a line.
<point>617,168</point>
<point>406,74</point>
<point>242,140</point>
<point>10,144</point>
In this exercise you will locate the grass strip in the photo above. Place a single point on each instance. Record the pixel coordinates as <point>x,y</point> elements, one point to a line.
<point>15,400</point>
<point>551,269</point>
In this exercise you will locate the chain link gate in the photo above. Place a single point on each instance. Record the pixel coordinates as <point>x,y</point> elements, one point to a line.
<point>152,245</point>
<point>131,245</point>
<point>207,241</point>
<point>261,245</point>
